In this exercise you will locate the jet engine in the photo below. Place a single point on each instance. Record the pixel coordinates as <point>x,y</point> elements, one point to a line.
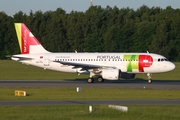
<point>115,74</point>
<point>110,74</point>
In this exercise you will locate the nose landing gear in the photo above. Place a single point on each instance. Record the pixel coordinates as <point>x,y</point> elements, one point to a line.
<point>149,77</point>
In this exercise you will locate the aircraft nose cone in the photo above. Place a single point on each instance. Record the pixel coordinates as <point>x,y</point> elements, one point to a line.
<point>172,66</point>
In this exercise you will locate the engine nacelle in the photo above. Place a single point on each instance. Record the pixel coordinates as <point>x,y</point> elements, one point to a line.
<point>127,75</point>
<point>110,74</point>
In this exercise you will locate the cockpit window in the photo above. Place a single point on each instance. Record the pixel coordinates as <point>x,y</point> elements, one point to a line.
<point>162,59</point>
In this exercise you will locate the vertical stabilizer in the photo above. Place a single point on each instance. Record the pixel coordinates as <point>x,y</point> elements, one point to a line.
<point>27,41</point>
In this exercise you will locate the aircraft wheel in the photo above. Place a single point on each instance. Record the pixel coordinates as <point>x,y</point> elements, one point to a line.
<point>149,81</point>
<point>90,80</point>
<point>100,79</point>
<point>149,77</point>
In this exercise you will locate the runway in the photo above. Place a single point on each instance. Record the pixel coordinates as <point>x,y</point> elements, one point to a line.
<point>132,84</point>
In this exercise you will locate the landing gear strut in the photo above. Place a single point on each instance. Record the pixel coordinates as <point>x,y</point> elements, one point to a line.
<point>149,77</point>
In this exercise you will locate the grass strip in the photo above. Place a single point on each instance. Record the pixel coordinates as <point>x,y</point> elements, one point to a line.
<point>80,112</point>
<point>89,94</point>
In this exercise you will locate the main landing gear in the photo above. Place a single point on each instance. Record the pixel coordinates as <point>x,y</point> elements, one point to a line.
<point>149,77</point>
<point>100,79</point>
<point>91,80</point>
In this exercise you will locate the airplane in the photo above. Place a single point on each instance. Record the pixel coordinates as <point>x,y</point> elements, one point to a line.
<point>109,66</point>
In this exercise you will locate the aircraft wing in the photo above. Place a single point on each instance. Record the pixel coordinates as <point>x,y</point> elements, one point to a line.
<point>83,66</point>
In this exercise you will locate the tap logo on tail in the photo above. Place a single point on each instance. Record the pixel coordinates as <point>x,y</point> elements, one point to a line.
<point>25,38</point>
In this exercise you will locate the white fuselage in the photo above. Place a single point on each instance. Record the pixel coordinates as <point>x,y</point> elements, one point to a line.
<point>126,62</point>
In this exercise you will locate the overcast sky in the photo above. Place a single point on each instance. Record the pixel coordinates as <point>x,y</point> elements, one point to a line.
<point>11,7</point>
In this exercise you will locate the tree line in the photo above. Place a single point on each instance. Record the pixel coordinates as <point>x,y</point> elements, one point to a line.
<point>98,29</point>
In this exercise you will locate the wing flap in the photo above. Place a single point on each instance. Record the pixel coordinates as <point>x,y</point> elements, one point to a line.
<point>84,66</point>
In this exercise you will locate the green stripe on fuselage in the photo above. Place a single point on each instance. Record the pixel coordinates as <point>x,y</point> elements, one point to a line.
<point>131,62</point>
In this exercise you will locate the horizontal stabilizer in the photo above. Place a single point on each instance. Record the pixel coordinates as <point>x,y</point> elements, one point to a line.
<point>19,58</point>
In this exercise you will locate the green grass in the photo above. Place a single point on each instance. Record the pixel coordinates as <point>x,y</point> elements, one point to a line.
<point>80,112</point>
<point>89,94</point>
<point>11,70</point>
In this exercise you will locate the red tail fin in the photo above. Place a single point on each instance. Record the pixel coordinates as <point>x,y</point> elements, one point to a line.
<point>27,41</point>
